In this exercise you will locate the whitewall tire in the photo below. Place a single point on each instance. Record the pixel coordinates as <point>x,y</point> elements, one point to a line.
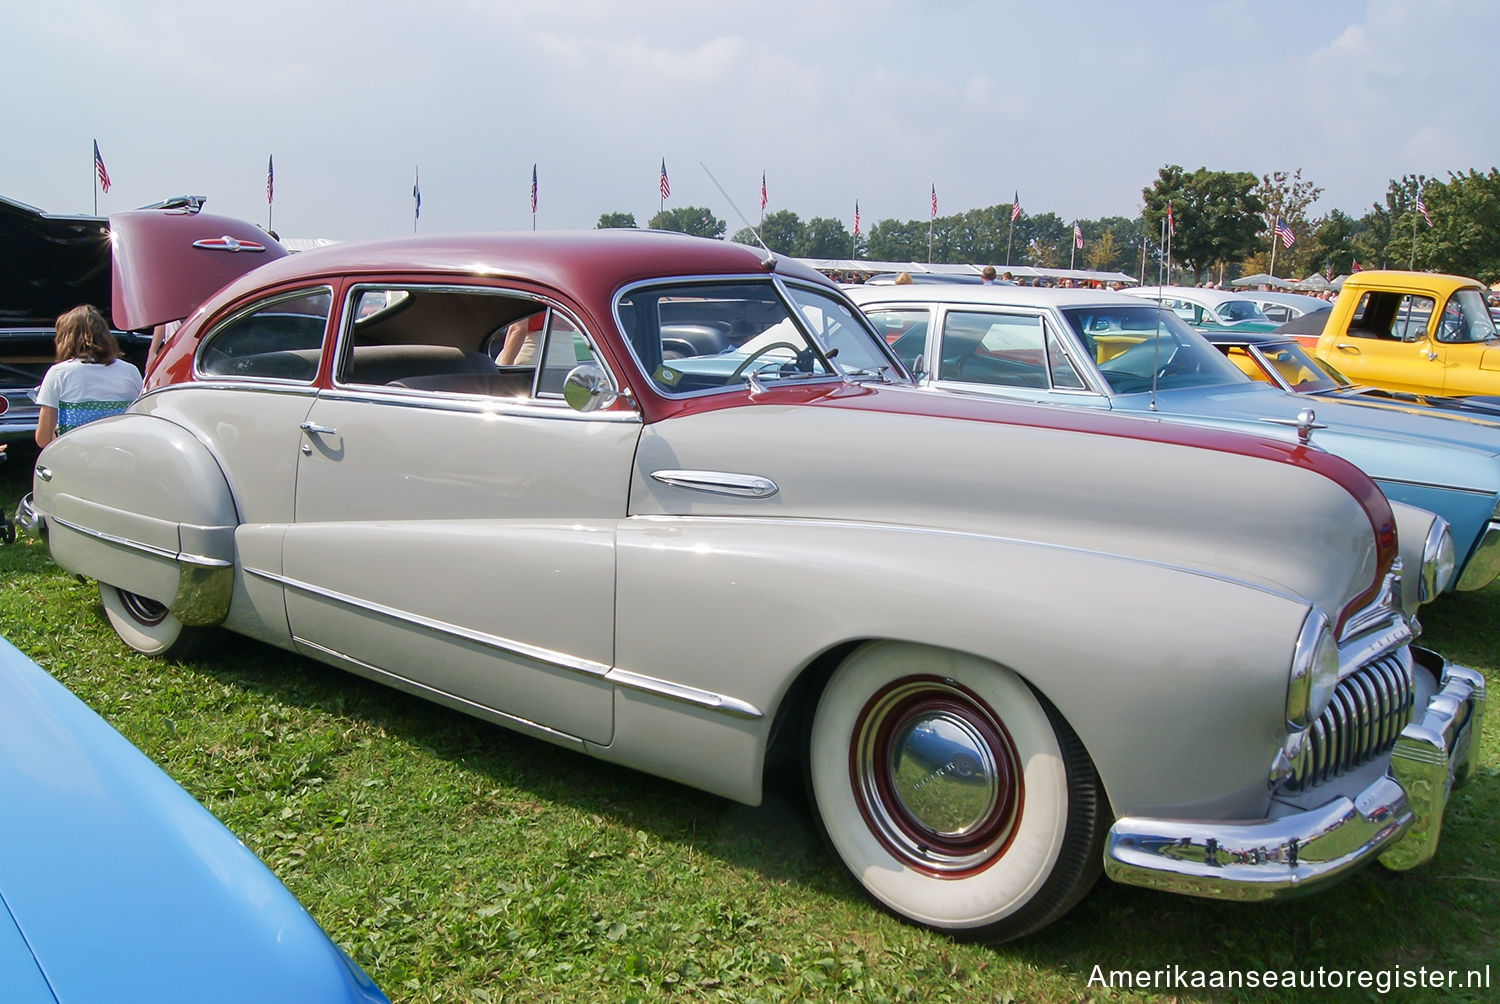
<point>149,627</point>
<point>956,796</point>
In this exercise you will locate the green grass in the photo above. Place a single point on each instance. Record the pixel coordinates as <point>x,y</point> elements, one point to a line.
<point>456,861</point>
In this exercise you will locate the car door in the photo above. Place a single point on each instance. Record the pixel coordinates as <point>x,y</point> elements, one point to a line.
<point>1387,344</point>
<point>1008,352</point>
<point>454,522</point>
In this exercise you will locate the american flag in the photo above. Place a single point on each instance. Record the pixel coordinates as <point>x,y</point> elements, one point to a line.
<point>533,189</point>
<point>100,169</point>
<point>856,217</point>
<point>1171,225</point>
<point>666,189</point>
<point>762,191</point>
<point>416,192</point>
<point>1015,207</point>
<point>934,200</point>
<point>1077,235</point>
<point>270,179</point>
<point>1285,233</point>
<point>1421,205</point>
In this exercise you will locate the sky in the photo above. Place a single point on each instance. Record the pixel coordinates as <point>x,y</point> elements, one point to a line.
<point>1073,105</point>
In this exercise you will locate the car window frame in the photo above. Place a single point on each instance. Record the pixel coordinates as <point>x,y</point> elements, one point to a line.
<point>219,327</point>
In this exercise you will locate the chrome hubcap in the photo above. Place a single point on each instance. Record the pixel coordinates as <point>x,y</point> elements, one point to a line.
<point>145,611</point>
<point>936,776</point>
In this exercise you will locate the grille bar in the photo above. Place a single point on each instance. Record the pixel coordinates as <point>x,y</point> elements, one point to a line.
<point>1368,710</point>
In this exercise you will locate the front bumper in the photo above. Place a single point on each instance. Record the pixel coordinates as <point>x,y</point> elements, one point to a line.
<point>1397,818</point>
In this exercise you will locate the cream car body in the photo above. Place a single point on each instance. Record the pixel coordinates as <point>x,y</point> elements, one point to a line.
<point>989,632</point>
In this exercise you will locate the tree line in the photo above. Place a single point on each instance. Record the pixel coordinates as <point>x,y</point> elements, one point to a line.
<point>1222,227</point>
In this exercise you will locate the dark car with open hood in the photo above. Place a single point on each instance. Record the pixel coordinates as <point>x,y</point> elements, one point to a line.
<point>48,265</point>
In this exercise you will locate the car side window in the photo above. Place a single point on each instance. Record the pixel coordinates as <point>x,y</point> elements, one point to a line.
<point>905,331</point>
<point>278,339</point>
<point>442,340</point>
<point>1007,350</point>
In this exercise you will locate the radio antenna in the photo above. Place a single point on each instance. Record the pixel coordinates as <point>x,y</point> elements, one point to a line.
<point>769,262</point>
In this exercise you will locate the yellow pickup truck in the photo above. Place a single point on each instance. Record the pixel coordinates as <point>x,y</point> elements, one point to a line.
<point>1413,331</point>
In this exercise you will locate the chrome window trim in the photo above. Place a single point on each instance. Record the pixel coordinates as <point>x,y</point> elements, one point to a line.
<point>559,660</point>
<point>779,283</point>
<point>207,339</point>
<point>402,397</point>
<point>346,326</point>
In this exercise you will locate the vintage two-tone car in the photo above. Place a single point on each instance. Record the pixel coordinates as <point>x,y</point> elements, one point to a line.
<point>711,524</point>
<point>1101,351</point>
<point>116,887</point>
<point>1281,360</point>
<point>1417,332</point>
<point>1206,308</point>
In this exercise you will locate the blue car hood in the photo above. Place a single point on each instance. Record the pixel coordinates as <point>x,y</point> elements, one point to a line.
<point>117,887</point>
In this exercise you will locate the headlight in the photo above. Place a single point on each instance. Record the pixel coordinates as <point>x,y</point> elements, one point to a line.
<point>1437,560</point>
<point>1315,670</point>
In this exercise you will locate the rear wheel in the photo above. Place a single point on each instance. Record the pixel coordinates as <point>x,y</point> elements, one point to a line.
<point>958,798</point>
<point>149,627</point>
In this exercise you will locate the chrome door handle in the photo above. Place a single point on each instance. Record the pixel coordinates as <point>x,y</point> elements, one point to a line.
<point>314,429</point>
<point>1346,347</point>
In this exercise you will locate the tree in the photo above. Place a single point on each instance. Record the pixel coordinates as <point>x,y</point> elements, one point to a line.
<point>1099,254</point>
<point>612,221</point>
<point>1216,214</point>
<point>1286,197</point>
<point>695,220</point>
<point>827,238</point>
<point>783,232</point>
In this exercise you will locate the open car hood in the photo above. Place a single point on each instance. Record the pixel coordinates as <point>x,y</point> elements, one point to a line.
<point>168,261</point>
<point>50,264</point>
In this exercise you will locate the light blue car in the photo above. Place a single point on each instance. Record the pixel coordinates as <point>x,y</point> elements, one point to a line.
<point>116,887</point>
<point>1086,348</point>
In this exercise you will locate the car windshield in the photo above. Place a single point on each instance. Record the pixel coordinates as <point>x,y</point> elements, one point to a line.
<point>1236,311</point>
<point>1300,371</point>
<point>1139,348</point>
<point>704,337</point>
<point>1466,318</point>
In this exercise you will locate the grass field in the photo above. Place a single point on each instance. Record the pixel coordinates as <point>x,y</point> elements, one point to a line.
<point>458,862</point>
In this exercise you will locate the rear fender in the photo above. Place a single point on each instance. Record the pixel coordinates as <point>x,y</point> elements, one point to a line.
<point>167,530</point>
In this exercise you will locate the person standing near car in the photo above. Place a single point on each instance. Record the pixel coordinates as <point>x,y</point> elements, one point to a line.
<point>89,380</point>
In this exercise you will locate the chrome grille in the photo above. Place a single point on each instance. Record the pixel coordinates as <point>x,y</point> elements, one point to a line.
<point>1369,709</point>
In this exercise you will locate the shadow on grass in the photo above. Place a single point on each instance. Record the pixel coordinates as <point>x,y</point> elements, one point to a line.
<point>1442,914</point>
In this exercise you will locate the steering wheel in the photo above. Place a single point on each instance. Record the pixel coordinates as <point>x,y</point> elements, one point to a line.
<point>752,357</point>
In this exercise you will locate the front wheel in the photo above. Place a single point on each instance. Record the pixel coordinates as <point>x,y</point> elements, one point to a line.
<point>149,627</point>
<point>958,798</point>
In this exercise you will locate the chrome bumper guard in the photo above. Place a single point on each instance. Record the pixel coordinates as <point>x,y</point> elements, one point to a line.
<point>1397,818</point>
<point>1484,564</point>
<point>27,520</point>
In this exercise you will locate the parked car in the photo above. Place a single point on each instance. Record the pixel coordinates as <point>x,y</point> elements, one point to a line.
<point>117,887</point>
<point>1281,307</point>
<point>1417,332</point>
<point>1104,352</point>
<point>1282,361</point>
<point>1208,308</point>
<point>48,265</point>
<point>715,526</point>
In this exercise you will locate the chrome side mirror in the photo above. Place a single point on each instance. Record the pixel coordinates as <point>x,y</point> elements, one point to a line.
<point>586,388</point>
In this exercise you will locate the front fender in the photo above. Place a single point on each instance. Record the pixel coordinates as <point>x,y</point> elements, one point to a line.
<point>1174,679</point>
<point>167,532</point>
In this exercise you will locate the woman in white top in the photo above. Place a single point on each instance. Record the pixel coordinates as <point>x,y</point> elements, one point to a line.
<point>89,379</point>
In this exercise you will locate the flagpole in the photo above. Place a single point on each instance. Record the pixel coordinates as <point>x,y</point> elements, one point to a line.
<point>1160,281</point>
<point>1273,249</point>
<point>1414,230</point>
<point>1145,241</point>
